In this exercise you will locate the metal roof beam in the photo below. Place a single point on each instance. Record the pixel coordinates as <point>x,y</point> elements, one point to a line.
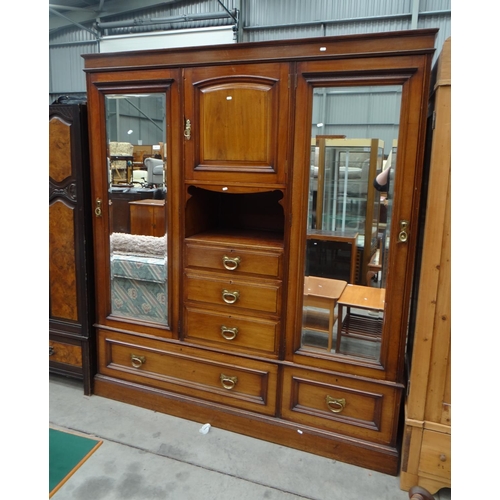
<point>106,9</point>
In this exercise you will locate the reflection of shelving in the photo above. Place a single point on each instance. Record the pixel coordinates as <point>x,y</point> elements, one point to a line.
<point>332,254</point>
<point>342,196</point>
<point>362,327</point>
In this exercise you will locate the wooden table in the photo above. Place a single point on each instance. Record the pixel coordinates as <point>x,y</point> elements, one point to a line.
<point>147,217</point>
<point>360,297</point>
<point>323,293</point>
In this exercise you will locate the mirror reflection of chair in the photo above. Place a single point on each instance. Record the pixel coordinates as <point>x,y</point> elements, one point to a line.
<point>155,170</point>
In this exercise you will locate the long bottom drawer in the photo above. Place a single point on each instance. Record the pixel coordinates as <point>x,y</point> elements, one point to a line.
<point>238,382</point>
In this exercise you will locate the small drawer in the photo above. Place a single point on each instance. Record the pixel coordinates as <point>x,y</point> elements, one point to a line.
<point>232,332</point>
<point>242,383</point>
<point>233,294</point>
<point>352,407</point>
<point>435,454</point>
<point>68,354</point>
<point>233,260</point>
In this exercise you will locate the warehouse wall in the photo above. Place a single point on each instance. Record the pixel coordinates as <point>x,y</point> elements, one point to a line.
<point>259,20</point>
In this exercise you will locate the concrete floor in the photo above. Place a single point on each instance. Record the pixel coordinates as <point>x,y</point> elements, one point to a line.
<point>147,455</point>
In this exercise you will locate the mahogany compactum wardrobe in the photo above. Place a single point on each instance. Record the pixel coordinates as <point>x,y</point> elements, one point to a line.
<point>226,313</point>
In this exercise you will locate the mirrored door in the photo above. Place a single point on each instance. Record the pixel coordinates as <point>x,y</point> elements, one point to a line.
<point>136,159</point>
<point>354,132</point>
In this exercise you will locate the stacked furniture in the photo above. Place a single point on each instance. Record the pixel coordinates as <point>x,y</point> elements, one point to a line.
<point>238,137</point>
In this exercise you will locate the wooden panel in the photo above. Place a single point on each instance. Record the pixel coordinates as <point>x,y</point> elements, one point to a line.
<point>367,414</point>
<point>239,118</point>
<point>249,261</point>
<point>190,372</point>
<point>426,459</point>
<point>433,320</point>
<point>59,149</point>
<point>229,114</point>
<point>435,455</point>
<point>438,404</point>
<point>65,353</point>
<point>251,334</point>
<point>62,262</point>
<point>256,296</point>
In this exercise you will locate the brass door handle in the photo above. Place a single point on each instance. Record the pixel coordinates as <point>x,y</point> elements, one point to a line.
<point>228,333</point>
<point>403,231</point>
<point>187,130</point>
<point>230,297</point>
<point>231,263</point>
<point>228,382</point>
<point>336,405</point>
<point>137,361</point>
<point>98,209</point>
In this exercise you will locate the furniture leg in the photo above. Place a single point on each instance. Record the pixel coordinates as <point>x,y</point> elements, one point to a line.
<point>330,326</point>
<point>339,328</point>
<point>419,493</point>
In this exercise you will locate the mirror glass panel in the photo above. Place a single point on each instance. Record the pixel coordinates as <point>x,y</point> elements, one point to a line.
<point>136,165</point>
<point>352,165</point>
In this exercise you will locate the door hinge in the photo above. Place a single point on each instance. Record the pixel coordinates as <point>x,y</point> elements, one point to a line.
<point>433,120</point>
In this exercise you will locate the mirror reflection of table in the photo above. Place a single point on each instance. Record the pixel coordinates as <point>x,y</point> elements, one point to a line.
<point>322,293</point>
<point>356,325</point>
<point>147,217</point>
<point>119,198</point>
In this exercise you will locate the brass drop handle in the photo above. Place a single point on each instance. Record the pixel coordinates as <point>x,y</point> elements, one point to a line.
<point>228,333</point>
<point>98,210</point>
<point>336,405</point>
<point>403,231</point>
<point>231,263</point>
<point>230,297</point>
<point>137,361</point>
<point>187,130</point>
<point>228,382</point>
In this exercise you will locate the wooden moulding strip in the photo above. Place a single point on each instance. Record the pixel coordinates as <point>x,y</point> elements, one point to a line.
<point>380,458</point>
<point>426,424</point>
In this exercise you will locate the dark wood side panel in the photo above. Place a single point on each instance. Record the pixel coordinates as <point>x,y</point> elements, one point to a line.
<point>62,262</point>
<point>59,149</point>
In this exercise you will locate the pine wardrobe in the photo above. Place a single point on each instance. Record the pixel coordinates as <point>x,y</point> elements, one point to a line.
<point>218,315</point>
